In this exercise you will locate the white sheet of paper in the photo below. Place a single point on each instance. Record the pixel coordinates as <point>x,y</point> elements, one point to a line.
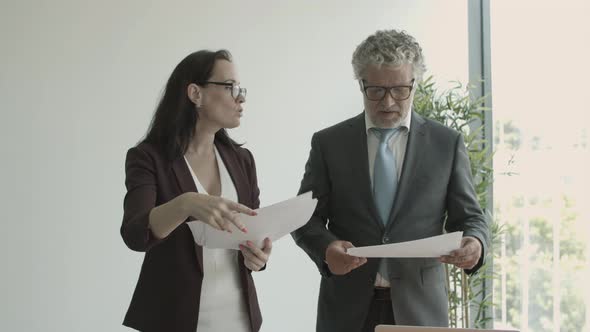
<point>434,246</point>
<point>273,221</point>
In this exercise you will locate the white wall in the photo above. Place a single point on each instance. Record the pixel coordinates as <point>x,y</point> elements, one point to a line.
<point>78,84</point>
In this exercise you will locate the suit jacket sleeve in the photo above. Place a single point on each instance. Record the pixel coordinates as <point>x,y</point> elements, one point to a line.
<point>314,237</point>
<point>140,180</point>
<point>463,210</point>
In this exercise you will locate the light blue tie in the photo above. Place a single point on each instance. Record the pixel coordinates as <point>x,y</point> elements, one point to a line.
<point>384,181</point>
<point>384,174</point>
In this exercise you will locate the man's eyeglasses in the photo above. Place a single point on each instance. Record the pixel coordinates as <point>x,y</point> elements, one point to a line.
<point>377,93</point>
<point>235,89</point>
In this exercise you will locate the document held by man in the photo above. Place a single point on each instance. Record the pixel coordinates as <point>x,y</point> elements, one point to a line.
<point>435,246</point>
<point>273,221</point>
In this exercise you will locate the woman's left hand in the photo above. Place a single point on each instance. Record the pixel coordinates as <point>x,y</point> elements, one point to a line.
<point>255,258</point>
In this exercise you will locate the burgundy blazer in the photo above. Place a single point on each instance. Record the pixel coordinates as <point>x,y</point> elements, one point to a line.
<point>167,294</point>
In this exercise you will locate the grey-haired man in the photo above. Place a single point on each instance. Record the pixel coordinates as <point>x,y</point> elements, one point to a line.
<point>385,176</point>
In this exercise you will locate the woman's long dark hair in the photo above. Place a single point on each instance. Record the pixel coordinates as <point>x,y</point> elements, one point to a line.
<point>175,119</point>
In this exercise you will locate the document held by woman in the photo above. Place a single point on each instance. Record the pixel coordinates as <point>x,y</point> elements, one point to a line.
<point>273,221</point>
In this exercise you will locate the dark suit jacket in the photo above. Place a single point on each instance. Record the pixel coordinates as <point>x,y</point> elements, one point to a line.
<point>167,294</point>
<point>435,182</point>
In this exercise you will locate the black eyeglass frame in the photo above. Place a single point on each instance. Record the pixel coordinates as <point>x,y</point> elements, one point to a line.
<point>388,89</point>
<point>241,91</point>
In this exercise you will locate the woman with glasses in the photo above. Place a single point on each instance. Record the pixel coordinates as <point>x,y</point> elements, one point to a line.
<point>187,170</point>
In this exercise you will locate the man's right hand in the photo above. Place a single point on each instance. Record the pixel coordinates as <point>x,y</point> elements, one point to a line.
<point>339,261</point>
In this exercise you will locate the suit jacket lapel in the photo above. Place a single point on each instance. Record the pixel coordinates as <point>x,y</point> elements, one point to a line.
<point>414,150</point>
<point>236,172</point>
<point>187,184</point>
<point>357,144</point>
<point>239,177</point>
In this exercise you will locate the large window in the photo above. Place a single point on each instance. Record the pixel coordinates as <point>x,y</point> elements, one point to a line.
<point>539,53</point>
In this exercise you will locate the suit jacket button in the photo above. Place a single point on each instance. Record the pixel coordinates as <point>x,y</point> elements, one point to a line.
<point>385,239</point>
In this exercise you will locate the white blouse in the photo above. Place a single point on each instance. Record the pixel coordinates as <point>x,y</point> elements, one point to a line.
<point>222,304</point>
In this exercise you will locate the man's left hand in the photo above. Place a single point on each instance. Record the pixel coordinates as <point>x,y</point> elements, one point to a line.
<point>465,257</point>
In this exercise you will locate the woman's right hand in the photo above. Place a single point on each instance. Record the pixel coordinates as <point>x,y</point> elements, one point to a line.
<point>216,211</point>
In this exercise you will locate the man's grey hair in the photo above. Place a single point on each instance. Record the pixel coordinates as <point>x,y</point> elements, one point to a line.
<point>389,48</point>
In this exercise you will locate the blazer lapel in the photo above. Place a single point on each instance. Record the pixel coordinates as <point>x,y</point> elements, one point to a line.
<point>414,150</point>
<point>187,184</point>
<point>357,144</point>
<point>236,172</point>
<point>239,177</point>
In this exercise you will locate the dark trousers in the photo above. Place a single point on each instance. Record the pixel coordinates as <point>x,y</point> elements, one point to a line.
<point>380,310</point>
